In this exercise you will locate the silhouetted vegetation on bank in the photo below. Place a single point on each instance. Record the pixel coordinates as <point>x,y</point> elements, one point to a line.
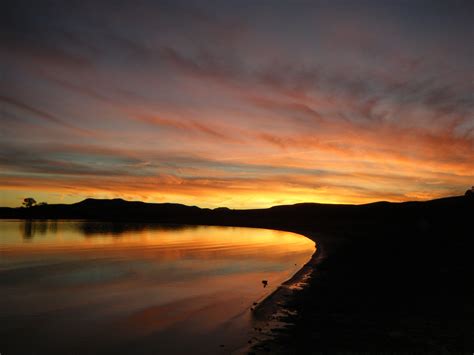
<point>420,216</point>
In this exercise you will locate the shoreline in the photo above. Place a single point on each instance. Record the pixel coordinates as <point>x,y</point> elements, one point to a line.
<point>264,315</point>
<point>268,303</point>
<point>268,313</point>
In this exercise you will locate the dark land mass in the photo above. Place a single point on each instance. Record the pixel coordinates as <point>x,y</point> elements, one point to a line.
<point>388,277</point>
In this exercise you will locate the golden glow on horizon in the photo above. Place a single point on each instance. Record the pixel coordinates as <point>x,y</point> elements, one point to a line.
<point>367,178</point>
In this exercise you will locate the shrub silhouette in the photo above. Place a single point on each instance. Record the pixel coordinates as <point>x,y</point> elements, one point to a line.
<point>29,202</point>
<point>470,193</point>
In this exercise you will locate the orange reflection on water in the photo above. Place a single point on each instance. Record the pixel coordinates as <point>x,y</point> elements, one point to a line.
<point>139,284</point>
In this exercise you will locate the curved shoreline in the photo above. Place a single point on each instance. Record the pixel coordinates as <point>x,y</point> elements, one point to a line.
<point>288,280</point>
<point>269,304</point>
<point>265,315</point>
<point>299,279</point>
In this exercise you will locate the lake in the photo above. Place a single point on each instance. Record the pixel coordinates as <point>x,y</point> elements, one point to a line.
<point>94,287</point>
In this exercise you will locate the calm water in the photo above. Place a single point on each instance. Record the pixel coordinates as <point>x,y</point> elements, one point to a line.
<point>82,287</point>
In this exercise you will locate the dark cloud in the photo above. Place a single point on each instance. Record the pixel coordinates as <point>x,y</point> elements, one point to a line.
<point>38,113</point>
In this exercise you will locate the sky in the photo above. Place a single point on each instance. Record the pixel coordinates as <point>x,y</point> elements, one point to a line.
<point>243,104</point>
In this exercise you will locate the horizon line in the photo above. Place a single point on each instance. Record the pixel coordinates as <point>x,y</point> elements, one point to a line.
<point>220,207</point>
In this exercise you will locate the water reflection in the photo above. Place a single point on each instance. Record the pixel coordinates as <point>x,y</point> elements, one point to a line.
<point>31,228</point>
<point>91,228</point>
<point>100,287</point>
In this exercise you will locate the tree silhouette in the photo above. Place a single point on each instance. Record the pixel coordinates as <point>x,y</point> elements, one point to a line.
<point>29,202</point>
<point>470,192</point>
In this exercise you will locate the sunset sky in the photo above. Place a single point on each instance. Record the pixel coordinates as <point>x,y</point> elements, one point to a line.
<point>236,103</point>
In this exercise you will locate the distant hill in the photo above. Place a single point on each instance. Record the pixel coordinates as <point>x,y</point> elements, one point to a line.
<point>422,215</point>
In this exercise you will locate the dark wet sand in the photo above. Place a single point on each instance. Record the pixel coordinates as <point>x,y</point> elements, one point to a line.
<point>379,288</point>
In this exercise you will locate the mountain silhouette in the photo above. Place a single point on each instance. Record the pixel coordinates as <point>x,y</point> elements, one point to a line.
<point>420,215</point>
